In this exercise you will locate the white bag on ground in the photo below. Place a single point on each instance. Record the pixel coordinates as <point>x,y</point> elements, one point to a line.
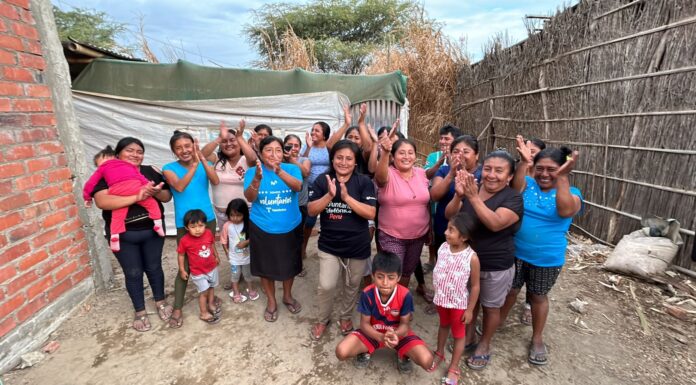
<point>641,255</point>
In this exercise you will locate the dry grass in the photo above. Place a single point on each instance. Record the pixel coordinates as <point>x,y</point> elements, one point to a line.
<point>288,52</point>
<point>432,62</point>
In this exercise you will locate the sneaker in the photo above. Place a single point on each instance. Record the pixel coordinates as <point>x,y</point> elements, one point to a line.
<point>404,365</point>
<point>362,360</point>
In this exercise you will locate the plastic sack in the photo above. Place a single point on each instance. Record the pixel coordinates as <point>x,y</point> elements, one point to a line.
<point>641,255</point>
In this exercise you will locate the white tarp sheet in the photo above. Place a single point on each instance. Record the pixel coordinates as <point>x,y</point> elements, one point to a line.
<point>105,119</point>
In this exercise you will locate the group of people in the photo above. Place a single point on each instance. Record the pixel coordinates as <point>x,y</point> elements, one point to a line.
<point>492,227</point>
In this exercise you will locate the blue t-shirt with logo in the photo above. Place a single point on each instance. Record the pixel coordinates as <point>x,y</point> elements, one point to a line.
<point>541,240</point>
<point>194,196</point>
<point>276,209</point>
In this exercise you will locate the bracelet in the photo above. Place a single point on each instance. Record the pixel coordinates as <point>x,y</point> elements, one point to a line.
<point>251,186</point>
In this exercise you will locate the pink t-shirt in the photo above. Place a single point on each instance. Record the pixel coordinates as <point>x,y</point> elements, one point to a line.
<point>403,205</point>
<point>231,183</point>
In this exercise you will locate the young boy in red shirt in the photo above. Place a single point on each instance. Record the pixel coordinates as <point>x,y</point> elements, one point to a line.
<point>386,311</point>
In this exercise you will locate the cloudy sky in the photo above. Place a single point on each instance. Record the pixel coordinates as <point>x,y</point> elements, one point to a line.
<point>209,32</point>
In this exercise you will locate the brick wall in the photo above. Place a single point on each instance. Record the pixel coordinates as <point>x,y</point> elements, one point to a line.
<point>43,250</point>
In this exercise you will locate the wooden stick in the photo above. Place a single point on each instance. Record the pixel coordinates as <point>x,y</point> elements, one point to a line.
<point>609,116</point>
<point>639,309</point>
<point>585,144</point>
<point>589,234</point>
<point>682,270</point>
<point>618,9</point>
<point>650,185</point>
<point>683,231</point>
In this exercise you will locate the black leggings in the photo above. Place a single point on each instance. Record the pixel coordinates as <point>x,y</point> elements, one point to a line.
<point>141,252</point>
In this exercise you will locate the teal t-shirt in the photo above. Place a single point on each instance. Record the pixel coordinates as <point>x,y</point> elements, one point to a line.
<point>276,209</point>
<point>195,196</point>
<point>541,240</point>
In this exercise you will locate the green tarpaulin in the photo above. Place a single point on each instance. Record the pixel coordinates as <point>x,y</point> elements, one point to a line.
<point>188,81</point>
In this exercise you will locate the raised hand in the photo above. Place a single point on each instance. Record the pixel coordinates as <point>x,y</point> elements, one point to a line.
<point>523,149</point>
<point>394,129</point>
<point>363,109</point>
<point>373,133</point>
<point>386,141</point>
<point>224,130</point>
<point>240,130</point>
<point>258,174</point>
<point>455,164</point>
<point>469,184</point>
<point>348,118</point>
<point>459,183</point>
<point>331,184</point>
<point>197,156</point>
<point>308,139</point>
<point>567,167</point>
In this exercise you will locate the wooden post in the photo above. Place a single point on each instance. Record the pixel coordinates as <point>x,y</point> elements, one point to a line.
<point>544,102</point>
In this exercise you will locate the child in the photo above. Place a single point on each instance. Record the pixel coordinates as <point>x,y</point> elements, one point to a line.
<point>123,179</point>
<point>457,268</point>
<point>386,310</point>
<point>236,245</point>
<point>199,246</point>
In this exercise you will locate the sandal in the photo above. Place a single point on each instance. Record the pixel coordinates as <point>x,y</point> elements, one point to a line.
<point>174,322</point>
<point>346,327</point>
<point>141,323</point>
<point>303,273</point>
<point>428,267</point>
<point>437,360</point>
<point>294,307</point>
<point>238,298</point>
<point>270,316</point>
<point>252,294</point>
<point>228,286</point>
<point>538,357</point>
<point>164,310</point>
<point>430,309</point>
<point>218,305</point>
<point>317,330</point>
<point>468,348</point>
<point>451,381</point>
<point>526,316</point>
<point>214,318</point>
<point>485,358</point>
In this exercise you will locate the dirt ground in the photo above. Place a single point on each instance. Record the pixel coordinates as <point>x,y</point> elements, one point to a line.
<point>606,345</point>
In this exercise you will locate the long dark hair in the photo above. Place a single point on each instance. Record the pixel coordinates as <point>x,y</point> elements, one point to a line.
<point>239,205</point>
<point>178,135</point>
<point>557,155</point>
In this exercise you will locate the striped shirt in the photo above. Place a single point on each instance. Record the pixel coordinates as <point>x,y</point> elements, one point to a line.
<point>451,277</point>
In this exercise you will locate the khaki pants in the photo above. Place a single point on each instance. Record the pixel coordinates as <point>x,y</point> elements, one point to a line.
<point>346,273</point>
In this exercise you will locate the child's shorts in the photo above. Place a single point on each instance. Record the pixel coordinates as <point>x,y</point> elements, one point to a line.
<point>402,348</point>
<point>452,318</point>
<point>204,282</point>
<point>240,270</point>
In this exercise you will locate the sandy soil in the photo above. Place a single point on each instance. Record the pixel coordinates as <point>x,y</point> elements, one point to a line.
<point>604,346</point>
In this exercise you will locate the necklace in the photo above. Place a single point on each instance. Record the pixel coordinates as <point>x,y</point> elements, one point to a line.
<point>408,183</point>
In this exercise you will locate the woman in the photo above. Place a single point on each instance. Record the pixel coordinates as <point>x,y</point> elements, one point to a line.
<point>497,209</point>
<point>275,228</point>
<point>403,197</point>
<point>540,246</point>
<point>189,178</point>
<point>346,200</point>
<point>141,247</point>
<point>357,134</point>
<point>233,158</point>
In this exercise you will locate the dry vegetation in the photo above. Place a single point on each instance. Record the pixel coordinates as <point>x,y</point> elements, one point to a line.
<point>432,62</point>
<point>288,51</point>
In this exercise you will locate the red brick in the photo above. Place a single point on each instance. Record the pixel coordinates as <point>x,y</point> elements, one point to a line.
<point>49,148</point>
<point>36,134</point>
<point>29,182</point>
<point>44,238</point>
<point>32,61</point>
<point>22,3</point>
<point>18,74</point>
<point>60,245</point>
<point>80,235</point>
<point>54,219</point>
<point>23,231</point>
<point>8,11</point>
<point>14,120</point>
<point>26,16</point>
<point>71,226</point>
<point>63,201</point>
<point>5,105</point>
<point>14,252</point>
<point>6,138</point>
<point>21,282</point>
<point>59,289</point>
<point>82,274</point>
<point>6,273</point>
<point>11,305</point>
<point>39,288</point>
<point>7,326</point>
<point>3,27</point>
<point>52,263</point>
<point>38,164</point>
<point>11,42</point>
<point>6,187</point>
<point>25,30</point>
<point>11,88</point>
<point>66,271</point>
<point>14,201</point>
<point>31,308</point>
<point>19,152</point>
<point>38,91</point>
<point>48,105</point>
<point>35,210</point>
<point>43,119</point>
<point>3,241</point>
<point>59,175</point>
<point>85,259</point>
<point>10,220</point>
<point>32,46</point>
<point>7,57</point>
<point>27,105</point>
<point>61,160</point>
<point>11,169</point>
<point>45,193</point>
<point>31,260</point>
<point>78,249</point>
<point>67,186</point>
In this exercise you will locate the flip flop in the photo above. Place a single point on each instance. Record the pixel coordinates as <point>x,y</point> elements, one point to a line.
<point>175,323</point>
<point>526,316</point>
<point>437,360</point>
<point>270,316</point>
<point>486,358</point>
<point>294,307</point>
<point>214,318</point>
<point>164,310</point>
<point>141,323</point>
<point>538,357</point>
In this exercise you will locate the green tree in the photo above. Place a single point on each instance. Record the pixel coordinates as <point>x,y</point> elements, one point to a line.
<point>344,32</point>
<point>89,26</point>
